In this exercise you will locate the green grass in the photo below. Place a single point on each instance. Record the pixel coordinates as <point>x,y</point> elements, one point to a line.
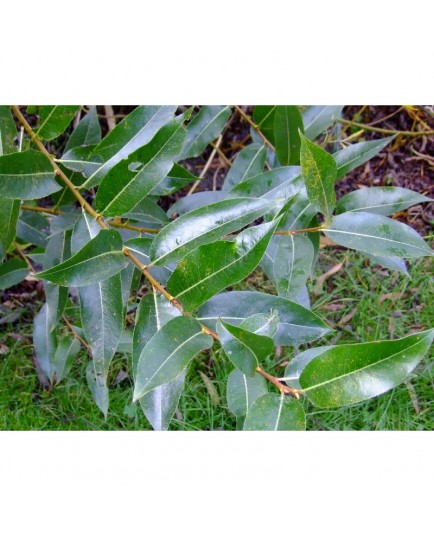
<point>356,288</point>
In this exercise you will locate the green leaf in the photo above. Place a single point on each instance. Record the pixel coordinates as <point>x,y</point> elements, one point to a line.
<point>213,267</point>
<point>135,131</point>
<point>392,263</point>
<point>205,127</point>
<point>249,162</point>
<point>63,358</point>
<point>244,348</point>
<point>357,154</point>
<point>8,131</point>
<point>9,210</point>
<point>242,392</point>
<point>12,272</point>
<point>44,343</point>
<point>98,388</point>
<point>135,177</point>
<point>148,213</point>
<point>204,225</point>
<point>34,228</point>
<point>297,324</point>
<point>262,324</point>
<point>263,116</point>
<point>376,235</point>
<point>177,178</point>
<point>296,365</point>
<point>99,259</point>
<point>87,132</point>
<point>318,168</point>
<point>54,120</point>
<point>287,124</point>
<point>168,353</point>
<point>278,182</point>
<point>196,200</point>
<point>288,262</point>
<point>351,373</point>
<point>141,247</point>
<point>158,405</point>
<point>26,175</point>
<point>272,412</point>
<point>317,119</point>
<point>380,200</point>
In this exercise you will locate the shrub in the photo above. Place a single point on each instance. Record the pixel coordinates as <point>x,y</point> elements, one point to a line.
<point>100,228</point>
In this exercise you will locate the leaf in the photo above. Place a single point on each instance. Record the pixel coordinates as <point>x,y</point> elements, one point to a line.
<point>272,412</point>
<point>204,225</point>
<point>392,263</point>
<point>351,373</point>
<point>297,324</point>
<point>135,131</point>
<point>249,162</point>
<point>98,260</point>
<point>26,175</point>
<point>376,235</point>
<point>196,200</point>
<point>380,200</point>
<point>158,405</point>
<point>98,387</point>
<point>287,262</point>
<point>149,213</point>
<point>287,124</point>
<point>168,353</point>
<point>87,132</point>
<point>9,210</point>
<point>63,358</point>
<point>12,272</point>
<point>319,172</point>
<point>242,392</point>
<point>212,391</point>
<point>213,267</point>
<point>8,131</point>
<point>296,365</point>
<point>317,119</point>
<point>262,324</point>
<point>44,343</point>
<point>263,116</point>
<point>244,348</point>
<point>205,127</point>
<point>278,182</point>
<point>135,177</point>
<point>177,178</point>
<point>357,154</point>
<point>34,228</point>
<point>141,247</point>
<point>54,120</point>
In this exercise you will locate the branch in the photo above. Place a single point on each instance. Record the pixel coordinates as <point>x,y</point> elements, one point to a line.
<point>386,131</point>
<point>254,126</point>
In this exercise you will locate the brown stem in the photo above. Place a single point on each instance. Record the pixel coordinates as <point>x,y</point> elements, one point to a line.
<point>284,389</point>
<point>254,126</point>
<point>387,131</point>
<point>76,335</point>
<point>297,231</point>
<point>54,211</point>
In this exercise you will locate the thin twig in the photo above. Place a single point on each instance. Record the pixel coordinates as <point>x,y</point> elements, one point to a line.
<point>23,256</point>
<point>207,165</point>
<point>76,335</point>
<point>387,131</point>
<point>254,126</point>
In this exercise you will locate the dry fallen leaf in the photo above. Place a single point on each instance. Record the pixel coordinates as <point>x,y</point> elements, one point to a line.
<point>320,281</point>
<point>390,296</point>
<point>212,391</point>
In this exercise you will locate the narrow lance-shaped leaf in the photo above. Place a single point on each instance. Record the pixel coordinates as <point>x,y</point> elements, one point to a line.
<point>245,349</point>
<point>241,391</point>
<point>287,125</point>
<point>392,263</point>
<point>98,260</point>
<point>211,268</point>
<point>319,170</point>
<point>168,353</point>
<point>8,131</point>
<point>33,227</point>
<point>379,200</point>
<point>204,225</point>
<point>204,128</point>
<point>281,182</point>
<point>141,247</point>
<point>26,175</point>
<point>196,200</point>
<point>317,119</point>
<point>272,412</point>
<point>12,272</point>
<point>9,211</point>
<point>135,177</point>
<point>54,120</point>
<point>177,178</point>
<point>87,132</point>
<point>98,388</point>
<point>351,373</point>
<point>66,351</point>
<point>249,162</point>
<point>297,325</point>
<point>44,343</point>
<point>263,116</point>
<point>376,235</point>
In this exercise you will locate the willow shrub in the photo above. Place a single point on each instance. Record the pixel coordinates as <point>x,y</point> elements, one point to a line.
<point>104,231</point>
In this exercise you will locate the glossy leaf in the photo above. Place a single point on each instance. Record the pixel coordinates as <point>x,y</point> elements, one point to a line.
<point>99,259</point>
<point>392,263</point>
<point>141,247</point>
<point>12,272</point>
<point>135,177</point>
<point>213,267</point>
<point>262,324</point>
<point>357,154</point>
<point>44,343</point>
<point>278,182</point>
<point>26,175</point>
<point>297,325</point>
<point>249,162</point>
<point>87,132</point>
<point>168,353</point>
<point>376,235</point>
<point>177,178</point>
<point>63,358</point>
<point>287,124</point>
<point>299,362</point>
<point>241,391</point>
<point>9,211</point>
<point>54,120</point>
<point>34,228</point>
<point>8,131</point>
<point>148,213</point>
<point>245,349</point>
<point>135,131</point>
<point>319,172</point>
<point>263,116</point>
<point>351,373</point>
<point>196,200</point>
<point>380,200</point>
<point>317,119</point>
<point>205,127</point>
<point>272,412</point>
<point>98,388</point>
<point>204,225</point>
